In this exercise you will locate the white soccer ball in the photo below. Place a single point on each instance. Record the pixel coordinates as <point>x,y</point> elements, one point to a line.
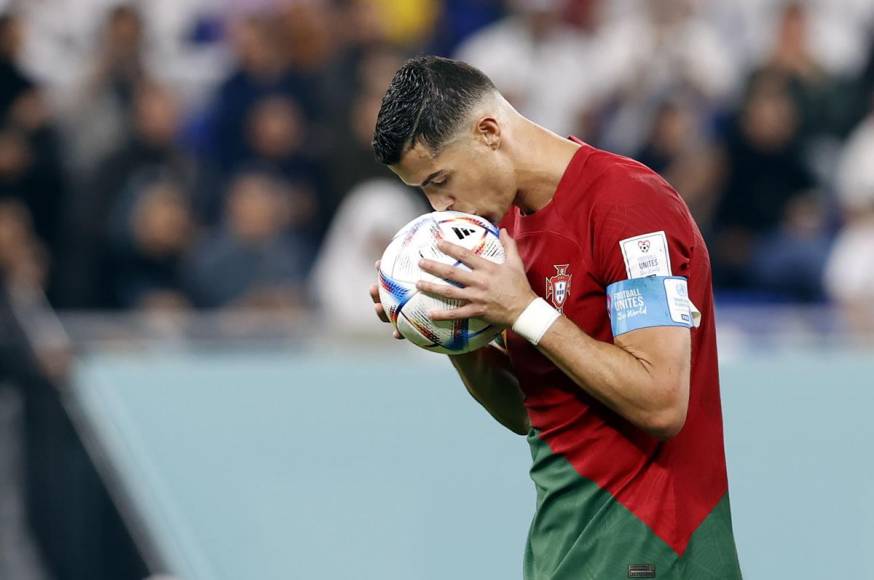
<point>407,307</point>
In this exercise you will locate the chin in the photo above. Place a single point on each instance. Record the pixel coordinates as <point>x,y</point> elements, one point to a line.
<point>498,216</point>
<point>492,218</point>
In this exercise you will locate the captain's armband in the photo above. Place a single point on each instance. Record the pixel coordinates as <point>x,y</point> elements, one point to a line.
<point>646,302</point>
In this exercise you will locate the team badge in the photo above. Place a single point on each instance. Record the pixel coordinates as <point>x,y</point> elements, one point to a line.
<point>643,245</point>
<point>559,286</point>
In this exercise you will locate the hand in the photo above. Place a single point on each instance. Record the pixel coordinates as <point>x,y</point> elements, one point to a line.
<point>378,307</point>
<point>497,293</point>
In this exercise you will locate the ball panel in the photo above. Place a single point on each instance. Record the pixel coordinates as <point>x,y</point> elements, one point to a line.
<point>414,324</point>
<point>393,294</point>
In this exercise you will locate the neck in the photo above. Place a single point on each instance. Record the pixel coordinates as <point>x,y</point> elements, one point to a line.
<point>541,158</point>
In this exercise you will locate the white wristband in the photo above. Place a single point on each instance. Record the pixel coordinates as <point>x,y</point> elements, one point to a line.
<point>535,320</point>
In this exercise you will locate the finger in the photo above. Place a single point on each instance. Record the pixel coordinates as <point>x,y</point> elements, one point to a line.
<point>397,335</point>
<point>466,311</point>
<point>509,243</point>
<point>376,264</point>
<point>463,255</point>
<point>443,290</point>
<point>510,249</point>
<point>380,312</point>
<point>448,272</point>
<point>374,294</point>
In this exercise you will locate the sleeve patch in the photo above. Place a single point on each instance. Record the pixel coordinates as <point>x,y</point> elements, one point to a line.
<point>648,302</point>
<point>646,255</point>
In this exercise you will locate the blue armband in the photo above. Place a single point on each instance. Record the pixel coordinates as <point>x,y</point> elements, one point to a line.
<point>647,302</point>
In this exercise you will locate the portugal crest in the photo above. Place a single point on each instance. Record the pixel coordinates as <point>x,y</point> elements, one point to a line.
<point>559,286</point>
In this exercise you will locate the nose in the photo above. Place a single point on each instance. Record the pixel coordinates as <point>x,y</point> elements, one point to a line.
<point>441,202</point>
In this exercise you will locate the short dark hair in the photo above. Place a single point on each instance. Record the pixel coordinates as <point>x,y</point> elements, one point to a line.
<point>427,99</point>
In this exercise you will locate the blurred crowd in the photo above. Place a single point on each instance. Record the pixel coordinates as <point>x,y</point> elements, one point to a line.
<point>189,154</point>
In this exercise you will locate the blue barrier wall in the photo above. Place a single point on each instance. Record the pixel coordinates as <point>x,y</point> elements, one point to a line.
<point>378,465</point>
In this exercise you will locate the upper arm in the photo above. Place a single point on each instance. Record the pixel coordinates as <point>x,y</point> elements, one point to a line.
<point>645,231</point>
<point>666,351</point>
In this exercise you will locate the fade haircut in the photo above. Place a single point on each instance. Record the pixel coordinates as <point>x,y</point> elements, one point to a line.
<point>426,102</point>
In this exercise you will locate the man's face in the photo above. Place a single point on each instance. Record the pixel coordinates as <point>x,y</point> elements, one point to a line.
<point>467,175</point>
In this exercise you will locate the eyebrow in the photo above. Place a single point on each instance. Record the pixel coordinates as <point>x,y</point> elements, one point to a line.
<point>431,177</point>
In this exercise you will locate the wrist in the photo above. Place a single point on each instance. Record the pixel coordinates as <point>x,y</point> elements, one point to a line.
<point>534,320</point>
<point>460,358</point>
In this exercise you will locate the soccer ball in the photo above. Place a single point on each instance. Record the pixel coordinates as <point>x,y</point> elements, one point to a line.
<point>407,307</point>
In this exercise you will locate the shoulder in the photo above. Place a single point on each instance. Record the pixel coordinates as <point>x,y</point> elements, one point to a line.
<point>612,187</point>
<point>620,181</point>
<point>637,223</point>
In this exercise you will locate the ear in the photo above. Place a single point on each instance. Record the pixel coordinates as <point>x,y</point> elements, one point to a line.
<point>488,131</point>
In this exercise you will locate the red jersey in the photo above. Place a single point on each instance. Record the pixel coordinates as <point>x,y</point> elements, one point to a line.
<point>613,501</point>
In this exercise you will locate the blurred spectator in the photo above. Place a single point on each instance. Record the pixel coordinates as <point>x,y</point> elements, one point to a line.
<point>30,172</point>
<point>667,48</point>
<point>824,105</point>
<point>678,149</point>
<point>150,151</point>
<point>763,171</point>
<point>30,166</point>
<point>789,261</point>
<point>302,36</point>
<point>23,259</point>
<point>460,19</point>
<point>98,118</point>
<point>850,271</point>
<point>24,266</point>
<point>262,70</point>
<point>312,58</point>
<point>276,138</point>
<point>151,146</point>
<point>254,258</point>
<point>13,81</point>
<point>275,129</point>
<point>548,70</point>
<point>146,254</point>
<point>863,89</point>
<point>351,159</point>
<point>839,32</point>
<point>364,225</point>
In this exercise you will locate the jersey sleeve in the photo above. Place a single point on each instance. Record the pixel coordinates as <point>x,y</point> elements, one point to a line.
<point>641,228</point>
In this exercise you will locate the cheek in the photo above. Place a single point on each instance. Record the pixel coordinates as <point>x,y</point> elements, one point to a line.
<point>489,183</point>
<point>498,181</point>
<point>492,178</point>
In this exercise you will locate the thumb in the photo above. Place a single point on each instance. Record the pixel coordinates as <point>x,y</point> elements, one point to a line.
<point>510,247</point>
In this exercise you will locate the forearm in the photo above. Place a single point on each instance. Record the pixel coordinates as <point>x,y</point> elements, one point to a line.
<point>621,377</point>
<point>489,378</point>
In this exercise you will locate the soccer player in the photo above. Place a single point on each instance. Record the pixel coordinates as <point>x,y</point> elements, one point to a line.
<point>610,367</point>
